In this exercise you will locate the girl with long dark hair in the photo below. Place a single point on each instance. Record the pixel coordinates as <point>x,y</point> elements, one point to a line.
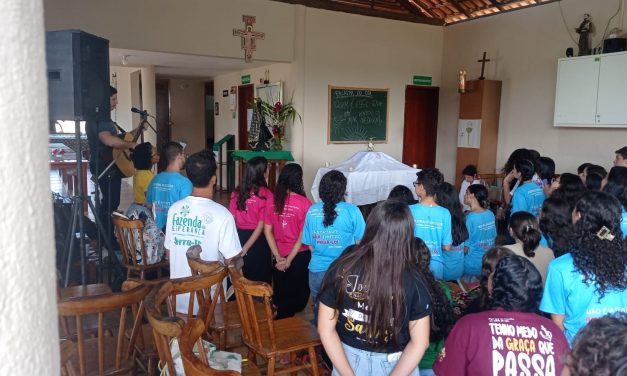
<point>569,188</point>
<point>481,225</point>
<point>523,227</point>
<point>374,307</point>
<point>556,225</point>
<point>447,197</point>
<point>249,203</point>
<point>528,196</point>
<point>488,264</point>
<point>616,184</point>
<point>283,229</point>
<point>330,226</point>
<point>510,338</point>
<point>590,281</point>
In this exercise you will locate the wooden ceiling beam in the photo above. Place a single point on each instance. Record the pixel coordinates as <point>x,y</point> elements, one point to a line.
<point>341,7</point>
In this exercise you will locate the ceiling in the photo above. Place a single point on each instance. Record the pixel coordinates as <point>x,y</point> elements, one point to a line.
<point>433,12</point>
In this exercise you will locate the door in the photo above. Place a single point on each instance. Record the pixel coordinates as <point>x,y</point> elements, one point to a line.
<point>421,126</point>
<point>245,95</point>
<point>162,96</point>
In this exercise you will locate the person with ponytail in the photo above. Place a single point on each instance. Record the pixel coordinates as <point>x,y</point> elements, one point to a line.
<point>249,202</point>
<point>331,225</point>
<point>616,184</point>
<point>447,198</point>
<point>523,227</point>
<point>283,229</point>
<point>590,281</point>
<point>528,196</point>
<point>481,225</point>
<point>374,307</point>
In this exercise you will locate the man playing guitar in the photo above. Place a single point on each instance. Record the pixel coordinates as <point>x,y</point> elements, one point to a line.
<point>102,137</point>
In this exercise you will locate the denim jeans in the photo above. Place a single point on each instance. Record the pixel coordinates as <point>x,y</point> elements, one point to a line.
<point>315,283</point>
<point>366,363</point>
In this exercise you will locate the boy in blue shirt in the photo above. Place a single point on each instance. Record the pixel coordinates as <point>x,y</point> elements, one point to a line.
<point>432,223</point>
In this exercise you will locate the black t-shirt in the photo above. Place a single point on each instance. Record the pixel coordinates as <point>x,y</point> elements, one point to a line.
<point>98,151</point>
<point>352,319</point>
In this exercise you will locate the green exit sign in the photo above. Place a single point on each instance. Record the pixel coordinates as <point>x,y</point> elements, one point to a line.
<point>423,80</point>
<point>245,79</point>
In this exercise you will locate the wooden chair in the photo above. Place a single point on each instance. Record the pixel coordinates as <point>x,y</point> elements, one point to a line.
<point>106,354</point>
<point>68,351</point>
<point>268,338</point>
<point>226,315</point>
<point>130,232</point>
<point>197,365</point>
<point>170,325</point>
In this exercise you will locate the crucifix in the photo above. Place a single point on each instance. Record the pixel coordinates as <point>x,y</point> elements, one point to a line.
<point>483,61</point>
<point>248,37</point>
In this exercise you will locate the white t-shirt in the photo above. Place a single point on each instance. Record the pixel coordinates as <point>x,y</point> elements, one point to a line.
<point>199,221</point>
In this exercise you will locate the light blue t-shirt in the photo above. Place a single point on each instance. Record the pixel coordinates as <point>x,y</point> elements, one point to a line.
<point>482,232</point>
<point>529,197</point>
<point>545,242</point>
<point>328,243</point>
<point>623,223</point>
<point>432,224</point>
<point>565,293</point>
<point>164,190</point>
<point>454,262</point>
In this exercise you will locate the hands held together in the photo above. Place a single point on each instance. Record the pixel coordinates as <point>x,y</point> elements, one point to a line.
<point>282,263</point>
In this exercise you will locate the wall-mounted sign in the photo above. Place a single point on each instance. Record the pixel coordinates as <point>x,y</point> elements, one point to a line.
<point>225,93</point>
<point>245,79</point>
<point>423,80</point>
<point>216,107</point>
<point>469,133</point>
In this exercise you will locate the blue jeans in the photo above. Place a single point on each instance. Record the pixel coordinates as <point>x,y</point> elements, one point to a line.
<point>371,363</point>
<point>315,284</point>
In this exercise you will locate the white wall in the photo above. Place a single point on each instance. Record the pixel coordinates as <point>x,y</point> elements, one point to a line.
<point>200,27</point>
<point>524,47</point>
<point>350,50</point>
<point>29,337</point>
<point>128,96</point>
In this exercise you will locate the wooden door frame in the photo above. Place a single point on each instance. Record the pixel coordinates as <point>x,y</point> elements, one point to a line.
<point>242,130</point>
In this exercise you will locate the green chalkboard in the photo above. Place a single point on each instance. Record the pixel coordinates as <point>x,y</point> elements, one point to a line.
<point>357,114</point>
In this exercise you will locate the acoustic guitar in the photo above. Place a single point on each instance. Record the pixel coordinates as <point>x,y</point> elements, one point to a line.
<point>122,157</point>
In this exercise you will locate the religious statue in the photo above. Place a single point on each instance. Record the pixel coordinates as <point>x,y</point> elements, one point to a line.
<point>461,85</point>
<point>584,30</point>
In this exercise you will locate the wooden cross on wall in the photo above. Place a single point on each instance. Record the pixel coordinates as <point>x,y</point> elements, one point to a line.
<point>483,61</point>
<point>248,37</point>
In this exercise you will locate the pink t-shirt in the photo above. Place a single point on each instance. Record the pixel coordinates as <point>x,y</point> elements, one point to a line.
<point>287,227</point>
<point>255,209</point>
<point>502,343</point>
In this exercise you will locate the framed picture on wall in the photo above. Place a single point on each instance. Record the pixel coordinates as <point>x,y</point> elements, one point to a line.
<point>217,108</point>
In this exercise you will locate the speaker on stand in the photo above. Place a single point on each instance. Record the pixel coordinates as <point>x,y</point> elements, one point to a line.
<point>78,90</point>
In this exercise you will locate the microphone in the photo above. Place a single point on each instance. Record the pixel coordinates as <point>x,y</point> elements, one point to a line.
<point>138,111</point>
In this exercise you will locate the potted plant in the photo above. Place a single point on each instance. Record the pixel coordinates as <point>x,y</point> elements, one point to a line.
<point>278,115</point>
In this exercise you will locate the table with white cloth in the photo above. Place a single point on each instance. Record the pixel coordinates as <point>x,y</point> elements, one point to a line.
<point>371,175</point>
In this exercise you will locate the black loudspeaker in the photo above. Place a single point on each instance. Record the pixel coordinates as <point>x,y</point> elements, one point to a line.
<point>78,76</point>
<point>614,45</point>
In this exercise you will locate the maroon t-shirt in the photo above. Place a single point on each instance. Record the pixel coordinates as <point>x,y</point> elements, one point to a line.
<point>503,343</point>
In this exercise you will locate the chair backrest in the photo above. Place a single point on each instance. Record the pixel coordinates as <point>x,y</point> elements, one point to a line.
<point>124,345</point>
<point>247,292</point>
<point>198,265</point>
<point>196,365</point>
<point>166,326</point>
<point>130,234</point>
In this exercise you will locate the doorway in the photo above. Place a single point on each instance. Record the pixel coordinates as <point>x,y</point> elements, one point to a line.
<point>421,126</point>
<point>245,94</point>
<point>209,115</point>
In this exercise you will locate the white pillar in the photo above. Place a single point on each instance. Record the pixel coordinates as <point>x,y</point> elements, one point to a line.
<point>298,128</point>
<point>149,100</point>
<point>29,338</point>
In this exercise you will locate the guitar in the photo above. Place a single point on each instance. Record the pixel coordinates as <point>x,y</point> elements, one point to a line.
<point>122,157</point>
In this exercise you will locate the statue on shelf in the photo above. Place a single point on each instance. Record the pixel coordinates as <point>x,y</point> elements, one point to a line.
<point>584,31</point>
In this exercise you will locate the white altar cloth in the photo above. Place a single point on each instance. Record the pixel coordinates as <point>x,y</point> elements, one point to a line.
<point>371,176</point>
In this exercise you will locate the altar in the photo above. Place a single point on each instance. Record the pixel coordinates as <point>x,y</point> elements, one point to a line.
<point>276,162</point>
<point>371,176</point>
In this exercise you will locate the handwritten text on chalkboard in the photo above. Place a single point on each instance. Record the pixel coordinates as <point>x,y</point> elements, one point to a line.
<point>357,115</point>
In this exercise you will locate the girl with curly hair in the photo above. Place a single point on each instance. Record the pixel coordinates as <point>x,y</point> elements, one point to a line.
<point>556,225</point>
<point>330,226</point>
<point>616,184</point>
<point>249,203</point>
<point>447,198</point>
<point>374,306</point>
<point>590,281</point>
<point>510,338</point>
<point>283,229</point>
